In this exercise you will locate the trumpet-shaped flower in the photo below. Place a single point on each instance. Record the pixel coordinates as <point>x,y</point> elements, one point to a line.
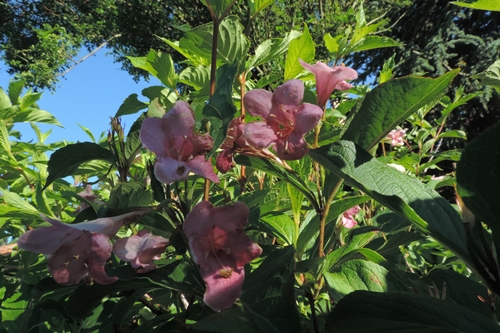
<point>221,248</point>
<point>77,251</point>
<point>286,119</point>
<point>178,149</point>
<point>141,250</point>
<point>348,217</point>
<point>328,79</point>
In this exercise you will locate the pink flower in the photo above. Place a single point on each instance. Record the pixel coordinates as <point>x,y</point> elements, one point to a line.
<point>141,250</point>
<point>77,251</point>
<point>329,79</point>
<point>89,195</point>
<point>178,149</point>
<point>220,246</point>
<point>348,217</point>
<point>396,136</point>
<point>286,119</point>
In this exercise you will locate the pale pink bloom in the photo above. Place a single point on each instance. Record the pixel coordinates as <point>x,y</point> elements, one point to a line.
<point>178,149</point>
<point>89,195</point>
<point>286,119</point>
<point>348,217</point>
<point>328,79</point>
<point>398,167</point>
<point>141,250</point>
<point>221,248</point>
<point>77,251</point>
<point>437,177</point>
<point>396,137</point>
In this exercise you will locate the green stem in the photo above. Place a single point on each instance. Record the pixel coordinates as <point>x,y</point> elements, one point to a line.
<point>323,217</point>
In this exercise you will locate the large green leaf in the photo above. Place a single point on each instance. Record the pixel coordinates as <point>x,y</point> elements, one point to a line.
<point>130,194</point>
<point>158,64</point>
<point>478,178</point>
<point>271,49</point>
<point>15,89</point>
<point>403,194</point>
<point>300,48</point>
<point>130,105</point>
<point>360,275</point>
<point>372,42</point>
<point>197,77</point>
<point>231,45</point>
<point>479,4</point>
<point>64,162</point>
<point>36,116</point>
<point>268,293</point>
<point>281,226</point>
<point>4,100</point>
<point>396,312</point>
<point>389,104</point>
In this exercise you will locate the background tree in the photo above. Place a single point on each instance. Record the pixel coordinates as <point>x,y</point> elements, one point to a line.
<point>437,37</point>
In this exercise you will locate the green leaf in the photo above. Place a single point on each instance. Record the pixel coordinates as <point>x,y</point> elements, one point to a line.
<point>197,77</point>
<point>356,241</point>
<point>193,58</point>
<point>14,200</point>
<point>232,44</point>
<point>4,141</point>
<point>257,6</point>
<point>4,100</point>
<point>280,226</point>
<point>130,105</point>
<point>40,200</point>
<point>372,42</point>
<point>218,8</point>
<point>360,275</point>
<point>277,170</point>
<point>493,5</point>
<point>268,293</point>
<point>163,64</point>
<point>229,321</point>
<point>220,110</point>
<point>271,49</point>
<point>131,194</point>
<point>332,43</point>
<point>389,104</point>
<point>491,77</point>
<point>15,89</point>
<point>478,178</point>
<point>88,132</point>
<point>29,99</point>
<point>36,116</point>
<point>457,288</point>
<point>64,161</point>
<point>404,195</point>
<point>300,48</point>
<point>396,312</point>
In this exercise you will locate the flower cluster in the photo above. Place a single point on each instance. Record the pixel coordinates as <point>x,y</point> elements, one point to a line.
<point>80,251</point>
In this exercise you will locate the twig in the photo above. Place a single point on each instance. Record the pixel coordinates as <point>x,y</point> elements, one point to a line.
<point>88,55</point>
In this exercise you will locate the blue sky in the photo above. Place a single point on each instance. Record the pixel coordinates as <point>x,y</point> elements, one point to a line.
<point>88,95</point>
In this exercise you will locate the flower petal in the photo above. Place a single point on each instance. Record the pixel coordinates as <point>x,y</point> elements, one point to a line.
<point>141,250</point>
<point>179,121</point>
<point>289,93</point>
<point>153,135</point>
<point>258,102</point>
<point>328,79</point>
<point>200,166</point>
<point>259,135</point>
<point>293,147</point>
<point>86,256</point>
<point>307,117</point>
<point>224,161</point>
<point>168,170</point>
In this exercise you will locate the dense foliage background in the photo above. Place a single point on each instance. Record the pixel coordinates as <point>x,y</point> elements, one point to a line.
<point>331,211</point>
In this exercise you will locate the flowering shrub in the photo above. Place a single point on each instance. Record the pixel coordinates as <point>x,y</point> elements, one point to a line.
<point>309,225</point>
